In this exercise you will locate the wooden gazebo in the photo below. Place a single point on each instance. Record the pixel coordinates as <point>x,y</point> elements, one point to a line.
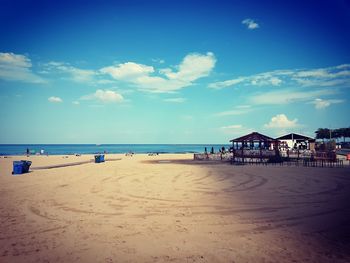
<point>254,146</point>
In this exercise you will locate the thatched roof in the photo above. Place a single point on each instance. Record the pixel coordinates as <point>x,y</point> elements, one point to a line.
<point>255,137</point>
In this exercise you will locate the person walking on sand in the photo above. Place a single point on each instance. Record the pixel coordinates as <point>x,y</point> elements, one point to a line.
<point>27,152</point>
<point>212,150</point>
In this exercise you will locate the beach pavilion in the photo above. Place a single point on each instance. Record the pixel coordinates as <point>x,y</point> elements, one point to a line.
<point>296,141</point>
<point>254,146</point>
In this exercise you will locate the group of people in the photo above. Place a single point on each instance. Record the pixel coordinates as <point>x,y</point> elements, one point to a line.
<point>221,150</point>
<point>33,152</point>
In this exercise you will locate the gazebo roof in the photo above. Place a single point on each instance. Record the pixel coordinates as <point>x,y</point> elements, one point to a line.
<point>294,136</point>
<point>255,137</point>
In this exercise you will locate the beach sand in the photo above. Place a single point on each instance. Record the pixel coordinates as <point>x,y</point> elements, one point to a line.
<point>168,208</point>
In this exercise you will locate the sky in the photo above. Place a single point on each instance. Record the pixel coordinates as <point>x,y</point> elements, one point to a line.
<point>171,71</point>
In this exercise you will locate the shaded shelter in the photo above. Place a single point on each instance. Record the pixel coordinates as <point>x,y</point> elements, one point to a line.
<point>254,145</point>
<point>297,141</point>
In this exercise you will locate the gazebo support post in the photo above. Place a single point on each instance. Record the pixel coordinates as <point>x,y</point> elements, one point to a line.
<point>242,152</point>
<point>233,153</point>
<point>260,151</point>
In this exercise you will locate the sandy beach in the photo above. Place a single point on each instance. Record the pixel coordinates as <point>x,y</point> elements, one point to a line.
<point>167,208</point>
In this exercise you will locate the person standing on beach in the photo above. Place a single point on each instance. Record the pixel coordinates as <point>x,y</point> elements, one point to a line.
<point>27,152</point>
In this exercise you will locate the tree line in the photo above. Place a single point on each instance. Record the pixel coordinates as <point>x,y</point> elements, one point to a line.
<point>325,133</point>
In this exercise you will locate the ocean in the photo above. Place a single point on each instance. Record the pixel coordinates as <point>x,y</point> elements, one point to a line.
<point>62,149</point>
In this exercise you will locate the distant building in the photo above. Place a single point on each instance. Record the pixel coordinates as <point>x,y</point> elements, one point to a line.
<point>296,141</point>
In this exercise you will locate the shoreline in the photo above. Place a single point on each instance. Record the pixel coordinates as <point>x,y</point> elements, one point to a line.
<point>64,149</point>
<point>57,161</point>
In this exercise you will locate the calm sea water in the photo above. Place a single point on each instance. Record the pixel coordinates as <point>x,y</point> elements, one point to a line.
<point>56,149</point>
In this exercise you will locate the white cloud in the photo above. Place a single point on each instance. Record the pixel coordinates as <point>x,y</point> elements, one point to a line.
<point>81,75</point>
<point>336,76</point>
<point>322,103</point>
<point>55,99</point>
<point>193,66</point>
<point>313,73</point>
<point>296,86</point>
<point>76,102</point>
<point>159,85</point>
<point>323,77</point>
<point>144,77</point>
<point>15,60</point>
<point>175,100</point>
<point>16,67</point>
<point>128,71</point>
<point>105,96</point>
<point>250,23</point>
<point>275,81</point>
<point>227,83</point>
<point>76,74</point>
<point>287,96</point>
<point>157,60</point>
<point>166,80</point>
<point>281,121</point>
<point>343,66</point>
<point>262,79</point>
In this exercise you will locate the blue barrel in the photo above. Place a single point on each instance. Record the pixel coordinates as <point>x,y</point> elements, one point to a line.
<point>20,167</point>
<point>26,165</point>
<point>17,167</point>
<point>99,158</point>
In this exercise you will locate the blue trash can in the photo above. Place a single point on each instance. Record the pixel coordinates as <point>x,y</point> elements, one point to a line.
<point>26,165</point>
<point>20,167</point>
<point>17,167</point>
<point>99,158</point>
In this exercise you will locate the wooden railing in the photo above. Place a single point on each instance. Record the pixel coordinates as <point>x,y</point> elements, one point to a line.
<point>248,153</point>
<point>213,156</point>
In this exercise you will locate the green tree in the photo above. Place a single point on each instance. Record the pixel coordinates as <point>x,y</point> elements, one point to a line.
<point>337,133</point>
<point>346,133</point>
<point>323,133</point>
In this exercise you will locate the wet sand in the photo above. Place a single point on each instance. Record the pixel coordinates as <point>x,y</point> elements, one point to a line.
<point>167,208</point>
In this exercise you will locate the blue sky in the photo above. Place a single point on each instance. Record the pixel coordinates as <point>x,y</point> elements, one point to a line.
<point>171,71</point>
